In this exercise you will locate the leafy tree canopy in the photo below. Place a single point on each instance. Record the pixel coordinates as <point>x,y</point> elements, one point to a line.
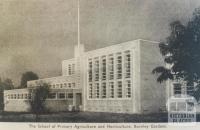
<point>27,76</point>
<point>39,95</point>
<point>6,84</point>
<point>181,52</point>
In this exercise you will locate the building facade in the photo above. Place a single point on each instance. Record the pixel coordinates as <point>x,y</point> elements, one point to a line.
<point>114,79</point>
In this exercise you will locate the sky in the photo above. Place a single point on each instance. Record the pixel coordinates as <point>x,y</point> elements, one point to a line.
<point>36,35</point>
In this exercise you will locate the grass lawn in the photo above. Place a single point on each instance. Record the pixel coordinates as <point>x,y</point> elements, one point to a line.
<point>85,117</point>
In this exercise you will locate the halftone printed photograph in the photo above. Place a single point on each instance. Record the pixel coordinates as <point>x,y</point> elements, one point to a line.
<point>100,64</point>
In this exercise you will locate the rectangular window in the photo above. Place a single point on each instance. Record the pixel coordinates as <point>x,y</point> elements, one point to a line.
<point>57,85</point>
<point>52,96</point>
<point>128,88</point>
<point>190,90</point>
<point>29,96</point>
<point>73,85</point>
<point>103,68</point>
<point>111,67</point>
<point>61,95</point>
<point>119,89</point>
<point>73,68</point>
<point>12,96</point>
<point>90,70</point>
<point>69,69</point>
<point>26,96</point>
<point>69,85</point>
<point>61,85</point>
<point>70,95</point>
<point>97,90</point>
<point>96,69</point>
<point>18,96</point>
<point>103,90</point>
<point>177,88</point>
<point>111,86</point>
<point>90,90</point>
<point>127,63</point>
<point>54,86</point>
<point>119,66</point>
<point>65,85</point>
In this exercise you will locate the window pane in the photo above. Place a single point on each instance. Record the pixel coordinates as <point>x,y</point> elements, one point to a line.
<point>90,90</point>
<point>119,66</point>
<point>90,71</point>
<point>70,95</point>
<point>96,69</point>
<point>61,95</point>
<point>73,68</point>
<point>128,88</point>
<point>190,90</point>
<point>69,69</point>
<point>111,86</point>
<point>127,64</point>
<point>73,85</point>
<point>177,88</point>
<point>119,89</point>
<point>103,69</point>
<point>111,67</point>
<point>26,96</point>
<point>97,90</point>
<point>52,96</point>
<point>69,85</point>
<point>103,90</point>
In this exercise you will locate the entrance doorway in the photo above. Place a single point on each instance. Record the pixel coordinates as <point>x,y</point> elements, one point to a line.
<point>78,101</point>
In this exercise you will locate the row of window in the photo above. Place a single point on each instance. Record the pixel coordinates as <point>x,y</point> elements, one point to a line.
<point>71,69</point>
<point>179,89</point>
<point>110,90</point>
<point>107,65</point>
<point>60,95</point>
<point>50,96</point>
<point>19,96</point>
<point>63,85</point>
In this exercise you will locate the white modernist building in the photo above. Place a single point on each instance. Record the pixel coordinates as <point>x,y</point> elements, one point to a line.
<point>116,78</point>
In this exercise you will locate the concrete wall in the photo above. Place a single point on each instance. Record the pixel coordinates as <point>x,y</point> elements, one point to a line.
<point>18,105</point>
<point>58,105</point>
<point>153,94</point>
<point>115,105</point>
<point>23,105</point>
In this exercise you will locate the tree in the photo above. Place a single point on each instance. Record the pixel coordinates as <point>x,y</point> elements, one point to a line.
<point>37,102</point>
<point>27,76</point>
<point>181,52</point>
<point>7,84</point>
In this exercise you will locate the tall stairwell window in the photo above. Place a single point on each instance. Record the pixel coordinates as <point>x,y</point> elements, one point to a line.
<point>111,67</point>
<point>90,70</point>
<point>103,68</point>
<point>127,64</point>
<point>96,69</point>
<point>119,66</point>
<point>177,88</point>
